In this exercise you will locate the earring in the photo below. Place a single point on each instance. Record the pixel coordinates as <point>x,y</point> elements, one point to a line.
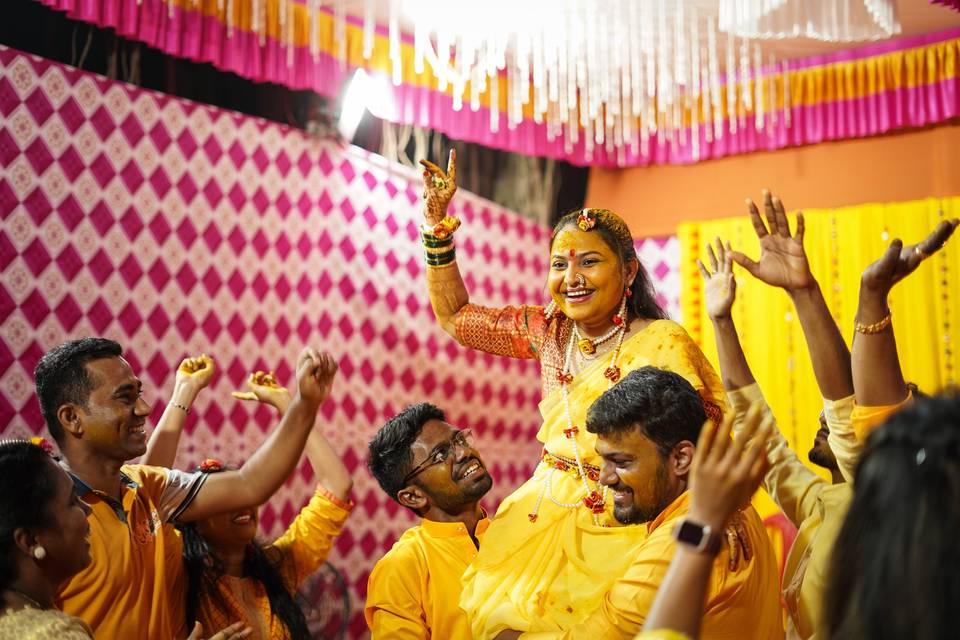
<point>621,316</point>
<point>39,552</point>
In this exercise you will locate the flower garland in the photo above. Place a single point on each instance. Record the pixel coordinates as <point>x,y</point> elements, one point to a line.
<point>594,499</point>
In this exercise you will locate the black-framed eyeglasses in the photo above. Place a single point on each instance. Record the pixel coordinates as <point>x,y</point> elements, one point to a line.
<point>462,440</point>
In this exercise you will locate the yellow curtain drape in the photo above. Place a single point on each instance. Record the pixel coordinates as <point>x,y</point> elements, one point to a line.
<point>840,243</point>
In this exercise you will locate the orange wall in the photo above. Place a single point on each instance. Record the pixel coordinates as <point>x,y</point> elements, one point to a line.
<point>904,166</point>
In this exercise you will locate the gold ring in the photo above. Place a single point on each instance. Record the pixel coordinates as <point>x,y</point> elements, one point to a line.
<point>923,255</point>
<point>439,183</point>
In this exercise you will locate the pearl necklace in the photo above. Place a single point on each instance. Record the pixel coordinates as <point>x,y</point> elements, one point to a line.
<point>588,346</point>
<point>593,499</point>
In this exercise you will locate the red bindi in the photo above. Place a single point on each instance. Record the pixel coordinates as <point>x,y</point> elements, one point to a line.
<point>573,253</point>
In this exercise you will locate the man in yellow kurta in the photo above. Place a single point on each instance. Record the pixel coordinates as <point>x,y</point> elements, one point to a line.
<point>431,468</point>
<point>817,507</point>
<point>647,425</point>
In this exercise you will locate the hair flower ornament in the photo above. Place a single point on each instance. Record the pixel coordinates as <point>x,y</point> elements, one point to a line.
<point>43,443</point>
<point>586,220</point>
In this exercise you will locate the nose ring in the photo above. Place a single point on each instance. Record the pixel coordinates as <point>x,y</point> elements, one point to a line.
<point>580,281</point>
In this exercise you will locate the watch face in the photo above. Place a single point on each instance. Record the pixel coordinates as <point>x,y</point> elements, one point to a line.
<point>690,533</point>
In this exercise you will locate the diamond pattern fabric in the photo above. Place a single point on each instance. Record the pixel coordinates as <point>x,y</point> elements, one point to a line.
<point>177,228</point>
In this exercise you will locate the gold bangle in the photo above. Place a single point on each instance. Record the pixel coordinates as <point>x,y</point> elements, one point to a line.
<point>876,327</point>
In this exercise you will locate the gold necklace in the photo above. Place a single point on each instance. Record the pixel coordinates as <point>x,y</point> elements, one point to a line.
<point>588,346</point>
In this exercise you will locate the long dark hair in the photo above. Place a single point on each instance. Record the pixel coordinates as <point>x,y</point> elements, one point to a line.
<point>894,566</point>
<point>616,234</point>
<point>204,569</point>
<point>27,487</point>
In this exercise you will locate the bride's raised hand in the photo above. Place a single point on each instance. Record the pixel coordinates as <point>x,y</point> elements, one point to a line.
<point>438,188</point>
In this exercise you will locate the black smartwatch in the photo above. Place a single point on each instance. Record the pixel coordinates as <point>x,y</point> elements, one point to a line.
<point>701,537</point>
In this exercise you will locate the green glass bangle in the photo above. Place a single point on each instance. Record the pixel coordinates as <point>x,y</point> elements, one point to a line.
<point>434,242</point>
<point>440,259</point>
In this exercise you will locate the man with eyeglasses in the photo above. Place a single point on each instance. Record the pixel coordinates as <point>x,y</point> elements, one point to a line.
<point>431,468</point>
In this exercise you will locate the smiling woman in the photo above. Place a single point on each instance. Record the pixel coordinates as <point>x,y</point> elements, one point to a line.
<point>230,576</point>
<point>43,542</point>
<point>554,546</point>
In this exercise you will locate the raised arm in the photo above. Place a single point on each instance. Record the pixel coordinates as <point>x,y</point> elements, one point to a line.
<point>445,285</point>
<point>720,290</point>
<point>193,375</point>
<point>793,486</point>
<point>723,477</point>
<point>877,377</point>
<point>275,459</point>
<point>783,263</point>
<point>330,470</point>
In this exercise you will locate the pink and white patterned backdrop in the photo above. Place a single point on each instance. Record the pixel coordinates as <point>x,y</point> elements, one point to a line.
<point>177,228</point>
<point>661,258</point>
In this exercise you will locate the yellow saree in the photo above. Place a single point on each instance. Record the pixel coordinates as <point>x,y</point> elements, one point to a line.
<point>550,572</point>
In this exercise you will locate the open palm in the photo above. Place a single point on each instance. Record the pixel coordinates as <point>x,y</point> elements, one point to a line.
<point>783,260</point>
<point>719,285</point>
<point>899,261</point>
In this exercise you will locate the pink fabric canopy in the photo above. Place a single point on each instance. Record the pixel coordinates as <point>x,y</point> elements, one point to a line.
<point>909,82</point>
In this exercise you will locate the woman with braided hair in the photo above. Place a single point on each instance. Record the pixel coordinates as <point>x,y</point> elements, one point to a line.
<point>555,547</point>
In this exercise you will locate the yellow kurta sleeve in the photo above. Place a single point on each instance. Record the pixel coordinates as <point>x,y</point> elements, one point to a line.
<point>305,544</point>
<point>395,591</point>
<point>514,332</point>
<point>866,419</point>
<point>843,440</point>
<point>789,482</point>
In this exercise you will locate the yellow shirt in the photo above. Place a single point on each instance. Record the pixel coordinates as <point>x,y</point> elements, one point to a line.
<point>843,440</point>
<point>815,506</point>
<point>135,586</point>
<point>740,604</point>
<point>414,590</point>
<point>300,551</point>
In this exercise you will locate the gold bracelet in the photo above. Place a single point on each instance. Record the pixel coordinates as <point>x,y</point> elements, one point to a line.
<point>876,327</point>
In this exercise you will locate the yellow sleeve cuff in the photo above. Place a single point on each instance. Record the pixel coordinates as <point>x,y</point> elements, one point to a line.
<point>866,419</point>
<point>741,399</point>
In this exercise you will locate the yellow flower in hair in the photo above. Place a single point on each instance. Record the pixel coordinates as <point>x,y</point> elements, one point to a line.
<point>586,220</point>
